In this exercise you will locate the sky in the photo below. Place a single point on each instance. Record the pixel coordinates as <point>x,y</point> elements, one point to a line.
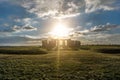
<point>26,22</point>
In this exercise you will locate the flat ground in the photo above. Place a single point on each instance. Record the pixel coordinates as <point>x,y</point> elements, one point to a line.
<point>60,65</point>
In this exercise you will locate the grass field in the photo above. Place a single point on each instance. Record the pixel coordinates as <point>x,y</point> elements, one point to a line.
<point>87,63</point>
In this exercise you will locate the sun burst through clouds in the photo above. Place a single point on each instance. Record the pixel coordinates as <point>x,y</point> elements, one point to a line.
<point>60,30</point>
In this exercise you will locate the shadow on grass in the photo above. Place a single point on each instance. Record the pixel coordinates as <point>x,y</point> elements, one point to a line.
<point>23,51</point>
<point>108,50</point>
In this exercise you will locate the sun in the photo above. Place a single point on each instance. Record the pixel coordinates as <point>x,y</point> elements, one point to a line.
<point>60,30</point>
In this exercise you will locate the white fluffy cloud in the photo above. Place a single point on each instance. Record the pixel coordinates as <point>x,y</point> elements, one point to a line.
<point>58,8</point>
<point>54,8</point>
<point>93,5</point>
<point>23,28</point>
<point>65,8</point>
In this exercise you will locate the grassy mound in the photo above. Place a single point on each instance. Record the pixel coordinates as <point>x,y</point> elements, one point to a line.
<point>22,50</point>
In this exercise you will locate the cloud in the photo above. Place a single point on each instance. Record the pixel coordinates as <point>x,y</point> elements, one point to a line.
<point>23,28</point>
<point>100,38</point>
<point>94,5</point>
<point>89,24</point>
<point>96,29</point>
<point>101,34</point>
<point>24,20</point>
<point>42,8</point>
<point>66,8</point>
<point>28,28</point>
<point>27,24</point>
<point>6,25</point>
<point>18,25</point>
<point>53,8</point>
<point>106,27</point>
<point>17,20</point>
<point>17,40</point>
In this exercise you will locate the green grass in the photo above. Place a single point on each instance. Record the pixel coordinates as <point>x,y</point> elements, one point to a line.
<point>67,65</point>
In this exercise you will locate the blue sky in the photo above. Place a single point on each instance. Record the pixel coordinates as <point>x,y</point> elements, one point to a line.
<point>25,22</point>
